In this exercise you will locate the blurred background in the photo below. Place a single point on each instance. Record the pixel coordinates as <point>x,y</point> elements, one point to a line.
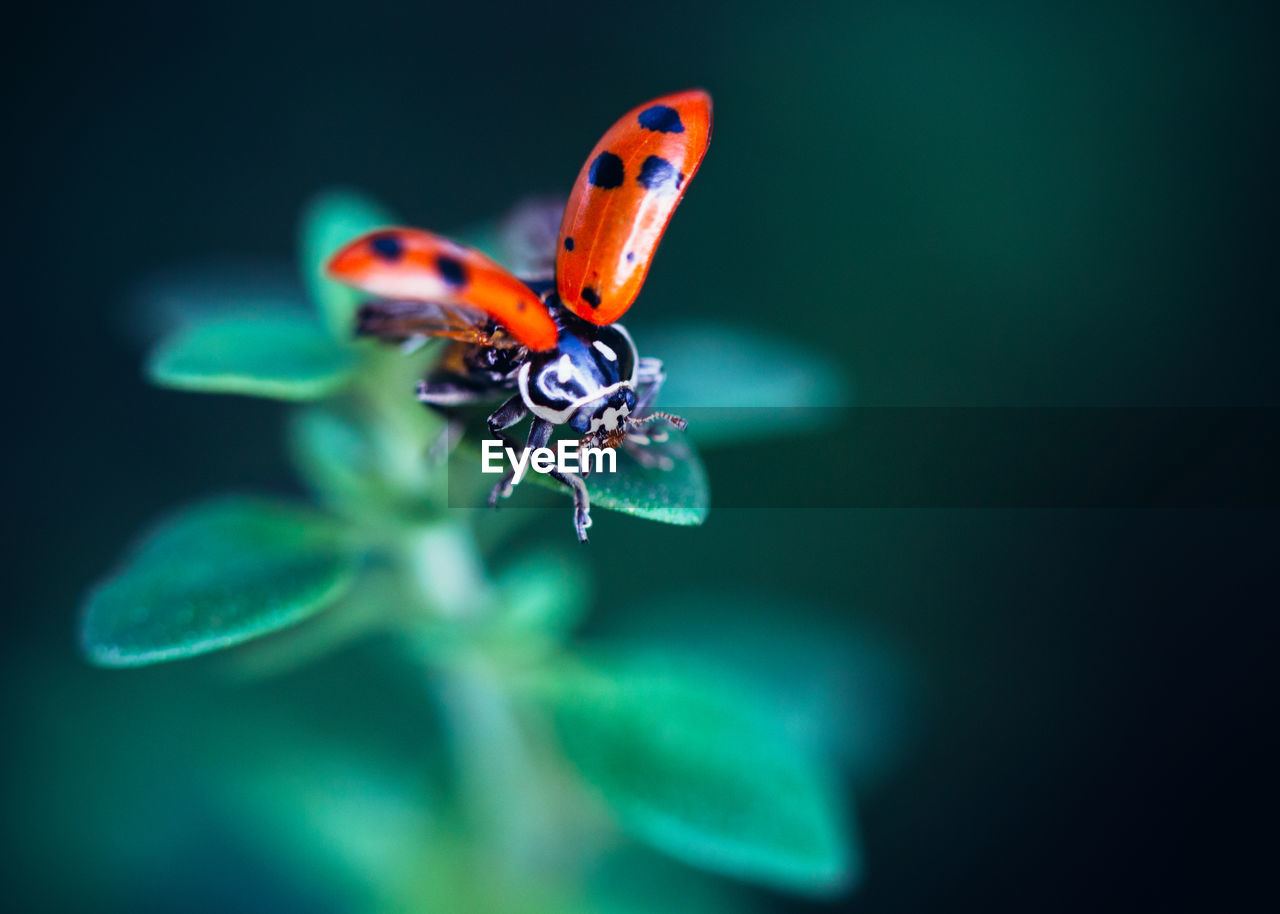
<point>963,204</point>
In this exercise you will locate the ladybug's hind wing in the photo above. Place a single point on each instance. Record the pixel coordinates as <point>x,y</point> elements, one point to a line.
<point>405,320</point>
<point>528,235</point>
<point>431,286</point>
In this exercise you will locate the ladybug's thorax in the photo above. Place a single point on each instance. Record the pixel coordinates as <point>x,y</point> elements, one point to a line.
<point>587,380</point>
<point>495,364</point>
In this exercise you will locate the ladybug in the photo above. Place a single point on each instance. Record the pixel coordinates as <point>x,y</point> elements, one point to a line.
<point>550,337</point>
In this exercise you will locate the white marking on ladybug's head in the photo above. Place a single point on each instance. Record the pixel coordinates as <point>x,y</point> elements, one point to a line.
<point>564,368</point>
<point>604,350</point>
<point>610,420</point>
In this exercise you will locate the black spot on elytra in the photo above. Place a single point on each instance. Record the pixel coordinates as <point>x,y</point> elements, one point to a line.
<point>521,306</point>
<point>452,270</point>
<point>657,173</point>
<point>568,244</point>
<point>631,256</point>
<point>661,119</point>
<point>606,171</point>
<point>591,297</point>
<point>387,247</point>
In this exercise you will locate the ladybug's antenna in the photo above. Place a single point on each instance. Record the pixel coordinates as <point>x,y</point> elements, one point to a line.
<point>670,419</point>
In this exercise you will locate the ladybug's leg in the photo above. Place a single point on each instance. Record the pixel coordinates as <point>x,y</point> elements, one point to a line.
<point>447,390</point>
<point>649,379</point>
<point>539,434</point>
<point>443,392</point>
<point>502,418</point>
<point>581,502</point>
<point>505,416</point>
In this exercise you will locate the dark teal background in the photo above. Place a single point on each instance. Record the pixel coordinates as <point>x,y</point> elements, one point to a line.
<point>964,204</point>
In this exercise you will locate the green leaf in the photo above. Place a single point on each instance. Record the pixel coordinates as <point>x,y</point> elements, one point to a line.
<point>334,453</point>
<point>210,288</point>
<point>359,464</point>
<point>735,385</point>
<point>332,219</point>
<point>675,492</point>
<point>839,685</point>
<point>689,764</point>
<point>215,575</point>
<point>282,355</point>
<point>541,595</point>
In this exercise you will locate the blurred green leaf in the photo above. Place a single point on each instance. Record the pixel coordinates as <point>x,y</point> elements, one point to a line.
<point>674,493</point>
<point>838,684</point>
<point>215,575</point>
<point>357,822</point>
<point>359,615</point>
<point>207,289</point>
<point>632,878</point>
<point>542,594</point>
<point>362,468</point>
<point>735,385</point>
<point>689,764</point>
<point>281,355</point>
<point>335,456</point>
<point>330,220</point>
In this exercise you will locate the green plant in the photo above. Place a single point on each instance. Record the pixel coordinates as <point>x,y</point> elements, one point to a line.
<point>552,739</point>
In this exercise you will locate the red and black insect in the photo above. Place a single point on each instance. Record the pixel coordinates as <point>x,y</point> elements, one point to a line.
<point>549,336</point>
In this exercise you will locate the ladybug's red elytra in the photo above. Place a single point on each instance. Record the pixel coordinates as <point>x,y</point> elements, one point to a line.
<point>623,199</point>
<point>550,337</point>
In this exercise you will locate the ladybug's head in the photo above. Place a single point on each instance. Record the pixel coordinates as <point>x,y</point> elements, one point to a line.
<point>604,423</point>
